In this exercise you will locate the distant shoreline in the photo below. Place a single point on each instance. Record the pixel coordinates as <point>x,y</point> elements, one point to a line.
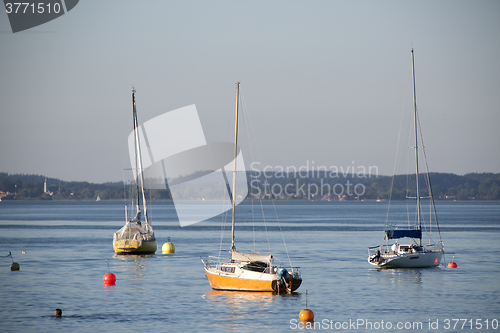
<point>309,187</point>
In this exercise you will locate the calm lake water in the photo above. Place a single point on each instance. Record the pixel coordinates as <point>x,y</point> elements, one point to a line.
<point>67,246</point>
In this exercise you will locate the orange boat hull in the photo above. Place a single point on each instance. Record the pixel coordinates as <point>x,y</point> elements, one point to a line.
<point>223,282</point>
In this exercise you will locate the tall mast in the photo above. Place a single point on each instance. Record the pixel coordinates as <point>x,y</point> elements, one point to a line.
<point>136,140</point>
<point>233,248</point>
<point>416,141</point>
<point>138,163</point>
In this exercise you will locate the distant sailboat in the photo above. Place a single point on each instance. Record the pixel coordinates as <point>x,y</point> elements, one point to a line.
<point>249,271</point>
<point>414,253</point>
<point>136,237</point>
<point>98,198</point>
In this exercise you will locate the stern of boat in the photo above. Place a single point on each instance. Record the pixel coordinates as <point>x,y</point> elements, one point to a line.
<point>374,256</point>
<point>289,279</point>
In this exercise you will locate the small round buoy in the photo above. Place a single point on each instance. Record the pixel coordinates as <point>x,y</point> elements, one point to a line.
<point>452,264</point>
<point>14,266</point>
<point>306,315</point>
<point>109,279</point>
<point>168,247</point>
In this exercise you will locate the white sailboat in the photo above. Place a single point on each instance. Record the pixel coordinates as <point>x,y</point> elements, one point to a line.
<point>249,271</point>
<point>137,236</point>
<point>414,253</point>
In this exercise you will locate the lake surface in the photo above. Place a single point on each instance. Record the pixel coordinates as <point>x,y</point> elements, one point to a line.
<point>68,246</point>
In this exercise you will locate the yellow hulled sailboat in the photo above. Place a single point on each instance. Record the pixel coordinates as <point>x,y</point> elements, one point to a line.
<point>137,236</point>
<point>249,271</point>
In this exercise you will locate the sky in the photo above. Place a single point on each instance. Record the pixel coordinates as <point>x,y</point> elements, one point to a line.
<point>323,82</point>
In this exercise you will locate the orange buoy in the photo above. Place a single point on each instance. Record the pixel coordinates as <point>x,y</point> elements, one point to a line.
<point>109,279</point>
<point>452,264</point>
<point>306,315</point>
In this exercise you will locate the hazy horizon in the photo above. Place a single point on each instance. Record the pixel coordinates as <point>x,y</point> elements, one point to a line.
<point>322,81</point>
<point>298,174</point>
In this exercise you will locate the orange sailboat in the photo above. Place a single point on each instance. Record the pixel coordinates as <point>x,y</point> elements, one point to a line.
<point>249,271</point>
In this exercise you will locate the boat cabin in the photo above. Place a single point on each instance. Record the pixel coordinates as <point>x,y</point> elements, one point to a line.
<point>404,249</point>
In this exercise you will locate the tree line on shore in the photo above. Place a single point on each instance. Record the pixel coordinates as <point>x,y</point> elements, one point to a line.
<point>445,186</point>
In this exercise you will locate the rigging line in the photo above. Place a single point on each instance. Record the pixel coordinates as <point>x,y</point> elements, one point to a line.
<point>224,219</point>
<point>246,121</point>
<point>427,173</point>
<point>397,149</point>
<point>230,126</point>
<point>9,255</point>
<point>124,194</point>
<point>127,186</point>
<point>260,159</point>
<point>221,230</point>
<point>224,215</point>
<point>429,179</point>
<point>281,232</point>
<point>408,173</point>
<point>272,201</point>
<point>253,224</point>
<point>222,189</point>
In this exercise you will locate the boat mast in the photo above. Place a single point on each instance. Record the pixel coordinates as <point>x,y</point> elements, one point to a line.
<point>138,163</point>
<point>134,114</point>
<point>416,142</point>
<point>233,248</point>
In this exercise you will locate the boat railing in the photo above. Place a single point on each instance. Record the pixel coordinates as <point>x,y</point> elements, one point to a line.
<point>293,270</point>
<point>433,247</point>
<point>373,249</point>
<point>208,260</point>
<point>213,261</point>
<point>290,268</point>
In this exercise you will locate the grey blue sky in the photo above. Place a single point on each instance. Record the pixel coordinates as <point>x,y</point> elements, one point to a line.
<point>322,81</point>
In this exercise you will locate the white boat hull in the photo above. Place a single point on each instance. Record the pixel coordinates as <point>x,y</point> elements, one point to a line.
<point>408,260</point>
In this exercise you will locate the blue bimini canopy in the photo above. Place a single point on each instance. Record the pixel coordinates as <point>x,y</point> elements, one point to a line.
<point>391,234</point>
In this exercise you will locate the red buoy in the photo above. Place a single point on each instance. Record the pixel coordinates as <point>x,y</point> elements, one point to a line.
<point>452,264</point>
<point>109,279</point>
